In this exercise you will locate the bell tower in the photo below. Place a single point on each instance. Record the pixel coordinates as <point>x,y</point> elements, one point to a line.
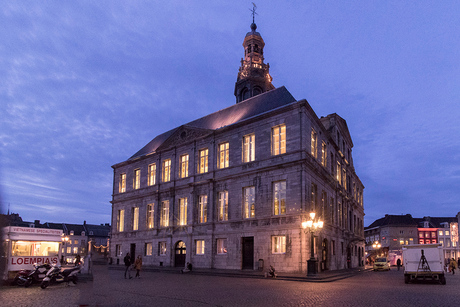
<point>253,75</point>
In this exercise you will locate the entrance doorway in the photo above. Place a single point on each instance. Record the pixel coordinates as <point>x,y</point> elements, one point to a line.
<point>248,253</point>
<point>180,253</point>
<point>132,252</point>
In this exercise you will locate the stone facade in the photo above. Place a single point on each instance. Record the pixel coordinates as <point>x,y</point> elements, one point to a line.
<point>274,159</point>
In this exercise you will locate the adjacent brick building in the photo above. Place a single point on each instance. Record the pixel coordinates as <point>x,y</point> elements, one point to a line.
<point>231,189</point>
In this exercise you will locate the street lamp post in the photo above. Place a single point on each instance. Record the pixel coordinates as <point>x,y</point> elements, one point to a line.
<point>312,225</point>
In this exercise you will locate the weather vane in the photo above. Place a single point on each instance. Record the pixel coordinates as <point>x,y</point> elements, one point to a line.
<point>253,11</point>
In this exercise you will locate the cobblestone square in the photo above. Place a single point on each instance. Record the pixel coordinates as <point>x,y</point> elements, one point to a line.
<point>109,288</point>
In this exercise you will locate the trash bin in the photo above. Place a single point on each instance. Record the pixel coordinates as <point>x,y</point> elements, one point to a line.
<point>261,264</point>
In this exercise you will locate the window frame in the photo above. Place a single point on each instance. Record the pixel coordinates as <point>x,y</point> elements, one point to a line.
<point>137,179</point>
<point>164,214</point>
<point>279,244</point>
<point>222,206</point>
<point>221,245</point>
<point>122,183</point>
<point>314,143</point>
<point>148,249</point>
<point>152,170</point>
<point>223,158</point>
<point>249,194</point>
<point>166,172</point>
<point>203,161</point>
<point>279,194</point>
<point>182,211</point>
<point>135,218</point>
<point>202,209</point>
<point>121,220</point>
<point>151,216</point>
<point>279,140</point>
<point>200,247</point>
<point>249,147</point>
<point>183,172</point>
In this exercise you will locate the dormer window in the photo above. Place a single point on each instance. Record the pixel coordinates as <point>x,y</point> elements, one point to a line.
<point>82,233</point>
<point>426,224</point>
<point>91,233</point>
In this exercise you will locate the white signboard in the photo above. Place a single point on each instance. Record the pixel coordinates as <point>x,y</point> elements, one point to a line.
<point>25,262</point>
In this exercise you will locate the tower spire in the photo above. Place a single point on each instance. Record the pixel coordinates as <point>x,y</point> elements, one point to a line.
<point>253,75</point>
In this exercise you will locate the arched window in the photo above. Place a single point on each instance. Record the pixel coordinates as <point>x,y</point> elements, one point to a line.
<point>257,91</point>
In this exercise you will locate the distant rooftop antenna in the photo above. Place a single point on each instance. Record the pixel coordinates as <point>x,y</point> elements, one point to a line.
<point>253,11</point>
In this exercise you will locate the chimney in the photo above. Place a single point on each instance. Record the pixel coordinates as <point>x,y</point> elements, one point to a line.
<point>37,223</point>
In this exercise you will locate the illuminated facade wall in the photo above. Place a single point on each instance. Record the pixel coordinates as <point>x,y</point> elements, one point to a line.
<point>254,209</point>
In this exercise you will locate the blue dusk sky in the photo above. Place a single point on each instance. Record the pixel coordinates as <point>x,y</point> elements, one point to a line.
<point>86,84</point>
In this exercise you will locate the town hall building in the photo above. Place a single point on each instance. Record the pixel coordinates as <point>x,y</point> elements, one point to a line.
<point>230,190</point>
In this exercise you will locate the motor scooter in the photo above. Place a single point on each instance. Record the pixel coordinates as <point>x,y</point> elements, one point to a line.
<point>27,277</point>
<point>55,275</point>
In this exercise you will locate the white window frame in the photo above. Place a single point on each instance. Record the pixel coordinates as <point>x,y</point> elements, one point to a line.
<point>221,246</point>
<point>200,247</point>
<point>151,216</point>
<point>314,143</point>
<point>223,159</point>
<point>278,244</point>
<point>164,217</point>
<point>203,161</point>
<point>183,211</point>
<point>162,248</point>
<point>279,140</point>
<point>203,208</point>
<point>152,174</point>
<point>121,220</point>
<point>166,170</point>
<point>249,202</point>
<point>122,183</point>
<point>222,207</point>
<point>249,147</point>
<point>137,179</point>
<point>184,166</point>
<point>279,198</point>
<point>135,213</point>
<point>148,249</point>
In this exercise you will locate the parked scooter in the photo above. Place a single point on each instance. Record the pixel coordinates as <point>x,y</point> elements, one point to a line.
<point>27,277</point>
<point>55,275</point>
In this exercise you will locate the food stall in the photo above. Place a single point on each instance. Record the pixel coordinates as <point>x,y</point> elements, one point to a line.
<point>24,246</point>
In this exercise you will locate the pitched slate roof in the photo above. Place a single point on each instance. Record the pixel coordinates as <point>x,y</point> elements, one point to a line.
<point>394,220</point>
<point>248,108</point>
<point>435,222</point>
<point>97,230</point>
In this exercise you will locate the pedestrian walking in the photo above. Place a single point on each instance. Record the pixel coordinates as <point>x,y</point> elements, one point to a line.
<point>138,266</point>
<point>127,261</point>
<point>453,265</point>
<point>398,263</point>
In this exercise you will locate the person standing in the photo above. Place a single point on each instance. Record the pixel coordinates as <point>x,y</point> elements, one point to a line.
<point>127,261</point>
<point>398,263</point>
<point>453,265</point>
<point>138,266</point>
<point>77,260</point>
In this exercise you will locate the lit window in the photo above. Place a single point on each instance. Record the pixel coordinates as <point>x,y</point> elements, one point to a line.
<point>278,244</point>
<point>421,241</point>
<point>152,174</point>
<point>166,170</point>
<point>401,241</point>
<point>118,250</point>
<point>314,143</point>
<point>427,234</point>
<point>135,215</point>
<point>137,179</point>
<point>164,218</point>
<point>221,246</point>
<point>279,140</point>
<point>249,148</point>
<point>203,208</point>
<point>279,198</point>
<point>433,234</point>
<point>203,167</point>
<point>447,232</point>
<point>69,250</point>
<point>200,247</point>
<point>121,220</point>
<point>161,248</point>
<point>223,160</point>
<point>249,202</point>
<point>440,232</point>
<point>420,234</point>
<point>150,216</point>
<point>122,183</point>
<point>222,207</point>
<point>148,250</point>
<point>183,166</point>
<point>75,250</point>
<point>324,154</point>
<point>183,211</point>
<point>75,242</point>
<point>433,241</point>
<point>442,242</point>
<point>339,173</point>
